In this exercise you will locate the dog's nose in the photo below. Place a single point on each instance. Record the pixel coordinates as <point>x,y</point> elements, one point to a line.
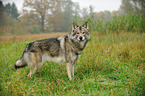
<point>81,38</point>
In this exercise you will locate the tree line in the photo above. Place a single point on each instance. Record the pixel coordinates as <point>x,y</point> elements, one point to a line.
<point>51,15</point>
<point>9,10</point>
<point>57,16</point>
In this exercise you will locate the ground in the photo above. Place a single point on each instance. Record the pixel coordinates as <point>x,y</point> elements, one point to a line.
<point>110,65</point>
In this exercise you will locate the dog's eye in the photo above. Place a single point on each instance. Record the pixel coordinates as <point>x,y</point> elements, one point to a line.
<point>83,32</point>
<point>78,33</point>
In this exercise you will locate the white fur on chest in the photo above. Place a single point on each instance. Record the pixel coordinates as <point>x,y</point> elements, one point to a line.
<point>73,56</point>
<point>58,59</point>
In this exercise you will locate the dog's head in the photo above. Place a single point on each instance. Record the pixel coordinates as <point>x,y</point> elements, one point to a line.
<point>80,33</point>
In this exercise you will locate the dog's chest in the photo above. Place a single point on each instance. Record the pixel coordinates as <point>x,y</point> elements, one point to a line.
<point>73,56</point>
<point>57,59</point>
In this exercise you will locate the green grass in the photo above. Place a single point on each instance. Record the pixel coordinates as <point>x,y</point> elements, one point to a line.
<point>110,65</point>
<point>126,23</point>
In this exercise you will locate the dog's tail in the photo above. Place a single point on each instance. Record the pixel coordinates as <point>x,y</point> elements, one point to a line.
<point>20,64</point>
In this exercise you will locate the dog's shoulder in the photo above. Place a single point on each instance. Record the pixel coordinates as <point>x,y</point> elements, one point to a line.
<point>62,37</point>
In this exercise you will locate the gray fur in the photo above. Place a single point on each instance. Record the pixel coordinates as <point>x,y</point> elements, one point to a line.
<point>62,49</point>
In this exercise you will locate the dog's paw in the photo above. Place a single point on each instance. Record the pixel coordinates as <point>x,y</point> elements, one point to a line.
<point>29,75</point>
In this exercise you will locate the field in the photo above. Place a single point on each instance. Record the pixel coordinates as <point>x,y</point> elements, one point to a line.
<point>110,65</point>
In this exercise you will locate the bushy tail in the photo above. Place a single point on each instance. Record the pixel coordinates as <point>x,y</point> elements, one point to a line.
<point>20,64</point>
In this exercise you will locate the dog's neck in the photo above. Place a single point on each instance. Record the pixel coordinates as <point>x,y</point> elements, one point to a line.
<point>77,46</point>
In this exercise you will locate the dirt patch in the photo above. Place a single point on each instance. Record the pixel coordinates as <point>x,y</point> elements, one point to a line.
<point>30,37</point>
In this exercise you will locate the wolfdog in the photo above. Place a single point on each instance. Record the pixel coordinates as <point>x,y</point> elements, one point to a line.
<point>61,49</point>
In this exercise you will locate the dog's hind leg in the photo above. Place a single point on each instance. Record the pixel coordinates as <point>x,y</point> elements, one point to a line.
<point>32,71</point>
<point>35,63</point>
<point>34,68</point>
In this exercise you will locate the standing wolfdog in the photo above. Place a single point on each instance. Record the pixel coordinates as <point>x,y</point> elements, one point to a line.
<point>62,49</point>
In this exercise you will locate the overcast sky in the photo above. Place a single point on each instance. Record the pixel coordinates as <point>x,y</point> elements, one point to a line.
<point>98,5</point>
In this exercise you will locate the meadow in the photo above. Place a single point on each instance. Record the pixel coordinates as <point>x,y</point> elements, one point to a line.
<point>110,65</point>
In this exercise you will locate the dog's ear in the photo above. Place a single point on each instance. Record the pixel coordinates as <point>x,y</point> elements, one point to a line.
<point>74,26</point>
<point>86,25</point>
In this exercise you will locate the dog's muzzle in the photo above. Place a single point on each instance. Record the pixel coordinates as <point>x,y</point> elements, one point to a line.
<point>81,38</point>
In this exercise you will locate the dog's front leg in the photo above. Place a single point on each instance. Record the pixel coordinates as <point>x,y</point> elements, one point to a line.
<point>73,67</point>
<point>69,70</point>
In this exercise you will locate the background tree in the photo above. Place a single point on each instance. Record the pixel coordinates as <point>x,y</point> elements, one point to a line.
<point>84,13</point>
<point>63,15</point>
<point>55,19</point>
<point>67,8</point>
<point>1,13</point>
<point>12,10</point>
<point>40,8</point>
<point>139,5</point>
<point>8,9</point>
<point>126,6</point>
<point>134,6</point>
<point>107,15</point>
<point>76,12</point>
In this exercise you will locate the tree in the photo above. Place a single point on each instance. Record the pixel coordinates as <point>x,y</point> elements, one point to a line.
<point>84,13</point>
<point>63,14</point>
<point>67,8</point>
<point>40,8</point>
<point>5,19</point>
<point>57,15</point>
<point>1,6</point>
<point>12,10</point>
<point>30,18</point>
<point>139,5</point>
<point>126,6</point>
<point>107,15</point>
<point>8,9</point>
<point>135,6</point>
<point>1,13</point>
<point>55,19</point>
<point>76,12</point>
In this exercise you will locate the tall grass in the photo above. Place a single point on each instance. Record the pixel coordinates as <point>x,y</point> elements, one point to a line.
<point>110,65</point>
<point>126,23</point>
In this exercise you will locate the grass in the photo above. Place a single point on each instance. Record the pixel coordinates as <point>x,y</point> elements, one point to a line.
<point>110,65</point>
<point>126,23</point>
